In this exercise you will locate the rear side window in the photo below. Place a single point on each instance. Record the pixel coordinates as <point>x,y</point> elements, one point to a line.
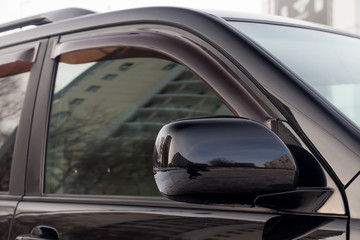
<point>106,114</point>
<point>14,76</point>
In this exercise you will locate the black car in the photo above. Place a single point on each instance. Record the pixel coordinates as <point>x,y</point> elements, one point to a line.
<point>168,123</point>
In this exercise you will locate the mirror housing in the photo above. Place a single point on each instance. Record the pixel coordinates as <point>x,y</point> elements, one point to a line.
<point>223,160</point>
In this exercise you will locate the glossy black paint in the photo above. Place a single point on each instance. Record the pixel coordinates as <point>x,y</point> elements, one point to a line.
<point>18,170</point>
<point>41,232</point>
<point>280,98</point>
<point>221,160</point>
<point>289,227</point>
<point>304,200</point>
<point>7,208</point>
<point>110,221</point>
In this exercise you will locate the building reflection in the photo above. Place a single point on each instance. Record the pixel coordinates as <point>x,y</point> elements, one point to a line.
<point>104,123</point>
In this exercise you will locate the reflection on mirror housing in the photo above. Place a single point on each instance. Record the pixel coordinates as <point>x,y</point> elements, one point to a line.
<point>221,160</point>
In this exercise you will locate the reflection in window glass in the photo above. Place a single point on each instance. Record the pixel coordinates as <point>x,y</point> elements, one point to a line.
<point>125,66</point>
<point>328,62</point>
<point>93,88</point>
<point>105,144</point>
<point>77,101</point>
<point>109,76</point>
<point>169,67</point>
<point>12,93</point>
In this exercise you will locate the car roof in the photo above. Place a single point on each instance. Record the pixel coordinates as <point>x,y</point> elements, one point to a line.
<point>73,20</point>
<point>253,17</point>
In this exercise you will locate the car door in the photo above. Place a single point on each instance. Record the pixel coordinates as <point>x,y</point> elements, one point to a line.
<point>102,98</point>
<point>19,71</point>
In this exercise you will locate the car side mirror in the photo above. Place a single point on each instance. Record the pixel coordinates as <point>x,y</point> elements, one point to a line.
<point>228,160</point>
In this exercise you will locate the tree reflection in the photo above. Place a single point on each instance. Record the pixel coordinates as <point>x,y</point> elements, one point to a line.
<point>12,94</point>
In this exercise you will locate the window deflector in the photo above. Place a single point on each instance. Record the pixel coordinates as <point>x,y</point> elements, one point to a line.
<point>104,41</point>
<point>19,61</point>
<point>165,45</point>
<point>157,41</point>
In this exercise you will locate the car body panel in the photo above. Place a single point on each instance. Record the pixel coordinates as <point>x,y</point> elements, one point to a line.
<point>353,196</point>
<point>7,208</point>
<point>180,222</point>
<point>249,80</point>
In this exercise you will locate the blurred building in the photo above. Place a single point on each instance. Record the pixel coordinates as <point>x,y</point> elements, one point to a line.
<point>106,116</point>
<point>343,15</point>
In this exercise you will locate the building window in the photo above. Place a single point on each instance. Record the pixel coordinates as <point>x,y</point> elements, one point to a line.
<point>77,101</point>
<point>125,66</point>
<point>169,67</point>
<point>60,115</point>
<point>93,88</point>
<point>109,77</point>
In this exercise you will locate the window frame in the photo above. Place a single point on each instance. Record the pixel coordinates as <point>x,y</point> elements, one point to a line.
<point>22,58</point>
<point>215,73</point>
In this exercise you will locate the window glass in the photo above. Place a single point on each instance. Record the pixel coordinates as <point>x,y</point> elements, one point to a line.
<point>328,62</point>
<point>102,133</point>
<point>12,93</point>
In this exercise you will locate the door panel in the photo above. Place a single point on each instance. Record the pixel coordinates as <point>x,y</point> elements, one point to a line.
<point>79,221</point>
<point>7,208</point>
<point>354,197</point>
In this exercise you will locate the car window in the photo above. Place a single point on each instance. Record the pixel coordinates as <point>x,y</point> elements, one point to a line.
<point>326,61</point>
<point>107,109</point>
<point>15,66</point>
<point>12,93</point>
